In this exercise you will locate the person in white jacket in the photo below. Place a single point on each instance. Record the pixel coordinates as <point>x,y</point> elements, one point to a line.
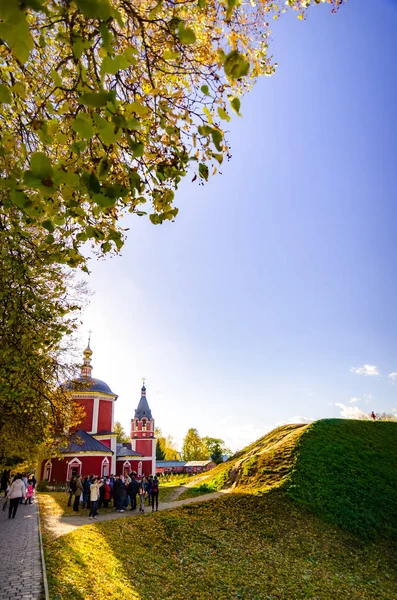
<point>15,493</point>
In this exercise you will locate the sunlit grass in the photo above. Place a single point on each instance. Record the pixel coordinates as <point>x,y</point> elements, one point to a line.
<point>238,546</point>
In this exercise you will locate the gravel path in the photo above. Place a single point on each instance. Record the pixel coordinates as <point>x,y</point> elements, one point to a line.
<point>57,526</point>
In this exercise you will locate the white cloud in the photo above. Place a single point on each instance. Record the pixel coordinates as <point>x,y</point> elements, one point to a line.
<point>393,377</point>
<point>365,370</point>
<point>351,412</point>
<point>353,400</point>
<point>293,420</point>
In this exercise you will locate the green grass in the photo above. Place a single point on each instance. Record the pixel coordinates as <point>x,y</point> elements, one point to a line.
<point>277,536</point>
<point>238,546</point>
<point>346,472</point>
<point>262,466</point>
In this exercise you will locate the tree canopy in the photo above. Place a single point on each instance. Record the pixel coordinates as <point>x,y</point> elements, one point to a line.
<point>122,437</point>
<point>105,105</point>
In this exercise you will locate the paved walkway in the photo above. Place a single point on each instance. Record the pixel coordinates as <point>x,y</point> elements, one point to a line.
<point>57,526</point>
<point>21,575</point>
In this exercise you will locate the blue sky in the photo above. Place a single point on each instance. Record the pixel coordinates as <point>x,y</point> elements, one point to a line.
<point>279,276</point>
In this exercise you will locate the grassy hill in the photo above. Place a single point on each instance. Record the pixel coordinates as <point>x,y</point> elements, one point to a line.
<point>343,470</point>
<point>276,536</point>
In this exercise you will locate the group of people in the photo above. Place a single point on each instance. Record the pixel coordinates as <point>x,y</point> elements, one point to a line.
<point>21,488</point>
<point>94,492</point>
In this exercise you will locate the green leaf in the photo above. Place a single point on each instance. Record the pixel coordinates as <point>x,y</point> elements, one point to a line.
<point>56,78</point>
<point>137,148</point>
<point>5,96</point>
<point>104,201</point>
<point>19,89</point>
<point>49,225</point>
<point>186,36</point>
<point>113,65</point>
<point>231,4</point>
<point>18,198</point>
<point>205,89</point>
<point>83,126</point>
<point>236,65</point>
<point>223,114</point>
<point>170,55</point>
<point>139,109</point>
<point>95,9</point>
<point>204,129</point>
<point>217,138</point>
<point>15,30</point>
<point>235,104</point>
<point>203,171</point>
<point>91,182</point>
<point>156,10</point>
<point>40,166</point>
<point>95,100</point>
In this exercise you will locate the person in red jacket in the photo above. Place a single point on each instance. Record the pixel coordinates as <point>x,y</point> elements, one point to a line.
<point>373,416</point>
<point>107,494</point>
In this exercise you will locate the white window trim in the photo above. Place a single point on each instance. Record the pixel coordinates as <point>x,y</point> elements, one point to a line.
<point>73,463</point>
<point>105,462</point>
<point>46,466</point>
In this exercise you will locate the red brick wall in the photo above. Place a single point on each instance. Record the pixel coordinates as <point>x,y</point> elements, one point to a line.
<point>105,415</point>
<point>88,404</point>
<point>91,464</point>
<point>146,466</point>
<point>144,447</point>
<point>105,442</point>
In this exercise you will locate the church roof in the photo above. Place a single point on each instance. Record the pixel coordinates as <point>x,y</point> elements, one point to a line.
<point>89,384</point>
<point>81,441</point>
<point>143,409</point>
<point>124,450</point>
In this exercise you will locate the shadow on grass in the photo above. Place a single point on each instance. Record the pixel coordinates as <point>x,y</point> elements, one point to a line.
<point>238,546</point>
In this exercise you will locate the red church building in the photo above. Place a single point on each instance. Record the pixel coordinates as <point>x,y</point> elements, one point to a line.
<point>93,446</point>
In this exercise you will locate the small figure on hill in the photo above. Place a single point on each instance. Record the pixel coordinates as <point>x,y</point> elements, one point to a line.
<point>155,493</point>
<point>373,416</point>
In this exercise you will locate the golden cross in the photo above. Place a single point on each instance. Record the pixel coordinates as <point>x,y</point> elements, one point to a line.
<point>143,380</point>
<point>89,336</point>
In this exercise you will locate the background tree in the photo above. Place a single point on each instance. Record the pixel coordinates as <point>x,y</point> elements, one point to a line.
<point>160,454</point>
<point>122,437</point>
<point>213,443</point>
<point>217,454</point>
<point>165,447</point>
<point>193,446</point>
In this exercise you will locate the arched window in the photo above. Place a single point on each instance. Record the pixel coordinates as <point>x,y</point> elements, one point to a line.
<point>105,467</point>
<point>74,468</point>
<point>47,470</point>
<point>144,424</point>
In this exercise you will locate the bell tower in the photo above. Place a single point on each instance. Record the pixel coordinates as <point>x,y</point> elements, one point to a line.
<point>142,435</point>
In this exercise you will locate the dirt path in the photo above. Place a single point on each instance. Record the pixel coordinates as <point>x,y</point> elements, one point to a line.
<point>55,526</point>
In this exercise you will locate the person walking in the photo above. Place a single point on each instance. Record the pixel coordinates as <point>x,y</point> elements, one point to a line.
<point>15,494</point>
<point>142,492</point>
<point>149,483</point>
<point>79,490</point>
<point>118,493</point>
<point>72,489</point>
<point>86,491</point>
<point>94,495</point>
<point>155,493</point>
<point>29,492</point>
<point>132,491</point>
